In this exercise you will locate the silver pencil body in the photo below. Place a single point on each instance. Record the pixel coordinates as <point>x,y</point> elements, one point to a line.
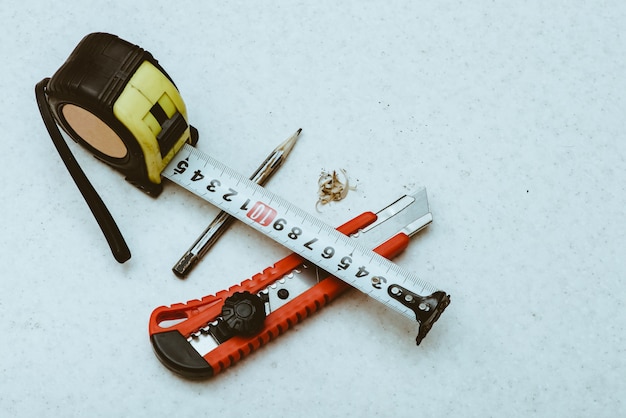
<point>223,220</point>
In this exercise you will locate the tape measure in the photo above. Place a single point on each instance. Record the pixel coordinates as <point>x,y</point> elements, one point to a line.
<point>113,98</point>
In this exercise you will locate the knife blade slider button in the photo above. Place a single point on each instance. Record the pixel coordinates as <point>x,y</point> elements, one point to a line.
<point>244,313</point>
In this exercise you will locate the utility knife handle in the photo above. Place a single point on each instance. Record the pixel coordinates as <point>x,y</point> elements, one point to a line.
<point>231,351</point>
<point>170,341</point>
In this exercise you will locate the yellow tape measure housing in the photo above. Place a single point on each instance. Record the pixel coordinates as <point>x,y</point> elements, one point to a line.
<point>115,99</point>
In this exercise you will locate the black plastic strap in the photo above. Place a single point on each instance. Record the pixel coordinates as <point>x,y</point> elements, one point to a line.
<point>109,228</point>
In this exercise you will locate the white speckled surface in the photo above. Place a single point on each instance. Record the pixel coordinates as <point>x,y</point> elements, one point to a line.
<point>510,113</point>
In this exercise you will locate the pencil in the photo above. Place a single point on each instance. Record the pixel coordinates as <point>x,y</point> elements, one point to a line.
<point>223,220</point>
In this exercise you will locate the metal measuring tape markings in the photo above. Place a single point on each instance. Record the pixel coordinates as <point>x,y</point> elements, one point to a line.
<point>298,231</point>
<point>113,98</point>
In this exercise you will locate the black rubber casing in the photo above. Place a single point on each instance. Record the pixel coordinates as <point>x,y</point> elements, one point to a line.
<point>93,77</point>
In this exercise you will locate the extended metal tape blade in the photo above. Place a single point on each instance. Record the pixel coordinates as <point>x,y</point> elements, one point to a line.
<point>296,229</point>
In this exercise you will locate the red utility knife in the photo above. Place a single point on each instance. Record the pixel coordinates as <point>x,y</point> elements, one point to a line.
<point>217,331</point>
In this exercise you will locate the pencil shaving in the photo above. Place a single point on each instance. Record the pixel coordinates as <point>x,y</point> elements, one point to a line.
<point>331,188</point>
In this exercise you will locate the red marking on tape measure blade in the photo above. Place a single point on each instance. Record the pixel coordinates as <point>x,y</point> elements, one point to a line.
<point>262,214</point>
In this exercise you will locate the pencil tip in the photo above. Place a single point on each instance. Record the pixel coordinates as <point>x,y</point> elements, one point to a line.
<point>288,144</point>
